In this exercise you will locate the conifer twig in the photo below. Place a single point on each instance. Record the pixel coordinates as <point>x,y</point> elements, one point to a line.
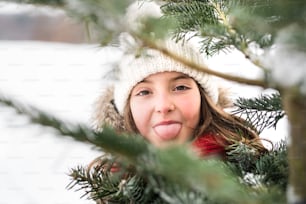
<point>53,3</point>
<point>107,139</point>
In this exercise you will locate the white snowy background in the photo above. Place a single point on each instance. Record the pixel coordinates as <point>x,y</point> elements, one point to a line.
<point>65,80</point>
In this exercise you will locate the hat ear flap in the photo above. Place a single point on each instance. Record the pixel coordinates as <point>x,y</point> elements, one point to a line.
<point>106,112</point>
<point>224,100</point>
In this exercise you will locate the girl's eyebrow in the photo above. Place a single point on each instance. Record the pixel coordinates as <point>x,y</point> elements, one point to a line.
<point>144,81</point>
<point>180,76</point>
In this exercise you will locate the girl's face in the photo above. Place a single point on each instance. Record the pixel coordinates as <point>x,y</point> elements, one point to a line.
<point>166,108</point>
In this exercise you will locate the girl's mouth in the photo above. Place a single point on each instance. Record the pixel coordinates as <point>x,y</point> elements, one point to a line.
<point>167,130</point>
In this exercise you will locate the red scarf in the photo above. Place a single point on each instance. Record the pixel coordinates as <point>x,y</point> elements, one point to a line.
<point>207,145</point>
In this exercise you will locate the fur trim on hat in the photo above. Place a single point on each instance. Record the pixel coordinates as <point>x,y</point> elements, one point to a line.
<point>224,100</point>
<point>106,112</point>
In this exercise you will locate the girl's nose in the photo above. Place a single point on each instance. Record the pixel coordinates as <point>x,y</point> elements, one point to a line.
<point>164,104</point>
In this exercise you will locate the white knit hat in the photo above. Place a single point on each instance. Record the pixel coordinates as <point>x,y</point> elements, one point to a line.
<point>133,69</point>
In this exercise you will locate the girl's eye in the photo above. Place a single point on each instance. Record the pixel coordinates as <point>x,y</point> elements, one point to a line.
<point>181,88</point>
<point>142,93</point>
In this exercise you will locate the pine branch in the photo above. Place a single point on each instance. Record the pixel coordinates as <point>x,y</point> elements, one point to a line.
<point>214,23</point>
<point>191,175</point>
<point>107,19</point>
<point>170,192</point>
<point>199,175</point>
<point>262,112</point>
<point>210,176</point>
<point>203,18</point>
<point>98,184</point>
<point>149,43</point>
<point>107,139</point>
<point>266,175</point>
<point>268,172</point>
<point>274,167</point>
<point>53,3</point>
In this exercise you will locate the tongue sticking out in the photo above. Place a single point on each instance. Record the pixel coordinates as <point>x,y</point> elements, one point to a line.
<point>168,131</point>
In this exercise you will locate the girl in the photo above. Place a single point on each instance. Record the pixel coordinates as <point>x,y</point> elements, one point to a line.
<point>169,103</point>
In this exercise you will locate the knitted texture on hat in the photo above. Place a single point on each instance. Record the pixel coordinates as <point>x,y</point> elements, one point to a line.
<point>133,69</point>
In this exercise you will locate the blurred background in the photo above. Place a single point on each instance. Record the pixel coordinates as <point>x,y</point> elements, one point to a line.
<point>26,22</point>
<point>47,61</point>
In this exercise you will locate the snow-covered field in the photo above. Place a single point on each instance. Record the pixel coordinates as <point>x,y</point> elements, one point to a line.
<point>65,80</point>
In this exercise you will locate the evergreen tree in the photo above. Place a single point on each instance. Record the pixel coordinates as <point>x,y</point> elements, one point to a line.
<point>276,29</point>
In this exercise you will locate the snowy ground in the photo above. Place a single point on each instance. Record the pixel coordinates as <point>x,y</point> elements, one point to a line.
<point>64,80</point>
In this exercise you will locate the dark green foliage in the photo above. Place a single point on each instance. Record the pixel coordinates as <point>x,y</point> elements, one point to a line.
<point>276,14</point>
<point>274,167</point>
<point>222,25</point>
<point>102,182</point>
<point>140,187</point>
<point>171,175</point>
<point>149,175</point>
<point>243,157</point>
<point>262,174</point>
<point>266,21</point>
<point>200,18</point>
<point>211,21</point>
<point>97,184</point>
<point>269,170</point>
<point>105,140</point>
<point>193,14</point>
<point>262,112</point>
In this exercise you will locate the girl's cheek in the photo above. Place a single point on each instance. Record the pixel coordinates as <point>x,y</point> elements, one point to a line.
<point>190,108</point>
<point>188,104</point>
<point>140,115</point>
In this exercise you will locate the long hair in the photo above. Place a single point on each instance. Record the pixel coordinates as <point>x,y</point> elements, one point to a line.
<point>227,128</point>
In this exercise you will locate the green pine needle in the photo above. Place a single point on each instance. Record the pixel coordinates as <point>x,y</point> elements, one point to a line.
<point>188,175</point>
<point>262,112</point>
<point>126,145</point>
